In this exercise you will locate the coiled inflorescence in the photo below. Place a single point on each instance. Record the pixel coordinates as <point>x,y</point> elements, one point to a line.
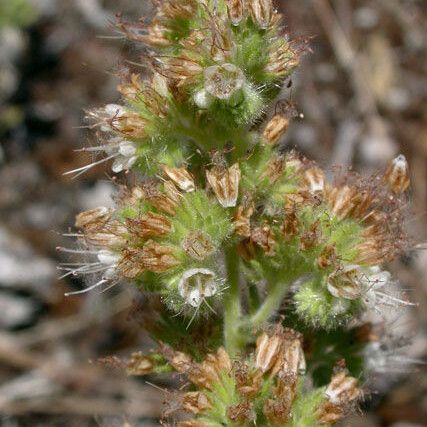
<point>223,224</point>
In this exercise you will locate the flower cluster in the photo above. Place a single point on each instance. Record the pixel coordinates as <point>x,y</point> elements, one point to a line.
<point>225,227</point>
<point>264,388</point>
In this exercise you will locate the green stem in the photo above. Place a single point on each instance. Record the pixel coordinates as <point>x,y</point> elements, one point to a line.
<point>270,305</point>
<point>232,309</point>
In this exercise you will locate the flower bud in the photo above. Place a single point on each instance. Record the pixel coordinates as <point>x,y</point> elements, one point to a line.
<point>223,81</point>
<point>225,184</point>
<point>397,176</point>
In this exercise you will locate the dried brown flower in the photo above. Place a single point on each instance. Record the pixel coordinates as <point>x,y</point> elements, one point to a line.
<point>225,184</point>
<point>275,129</point>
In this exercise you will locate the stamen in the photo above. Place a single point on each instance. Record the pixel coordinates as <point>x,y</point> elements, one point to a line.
<point>83,291</point>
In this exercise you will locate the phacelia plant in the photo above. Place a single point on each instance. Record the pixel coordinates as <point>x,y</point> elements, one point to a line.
<point>262,266</point>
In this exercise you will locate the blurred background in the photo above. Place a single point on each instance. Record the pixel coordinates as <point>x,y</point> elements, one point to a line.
<point>363,93</point>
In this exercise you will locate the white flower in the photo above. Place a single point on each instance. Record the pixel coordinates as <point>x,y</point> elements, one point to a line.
<point>222,81</point>
<point>196,284</point>
<point>110,260</point>
<point>126,156</point>
<point>108,114</point>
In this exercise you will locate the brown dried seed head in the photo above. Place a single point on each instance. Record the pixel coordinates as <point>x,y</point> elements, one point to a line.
<point>180,361</point>
<point>343,390</point>
<point>397,175</point>
<point>172,192</point>
<point>264,237</point>
<point>241,413</point>
<point>191,423</point>
<point>198,245</point>
<point>178,9</point>
<point>275,129</point>
<point>328,257</point>
<point>180,68</point>
<point>341,393</point>
<point>269,350</point>
<point>342,200</point>
<point>246,249</point>
<point>195,402</point>
<point>282,60</point>
<point>157,258</point>
<point>130,264</point>
<point>314,179</point>
<point>248,381</point>
<point>148,225</point>
<point>277,412</point>
<point>262,12</point>
<point>210,371</point>
<point>311,237</point>
<point>242,222</point>
<point>181,177</point>
<point>293,355</point>
<point>328,413</point>
<point>274,169</point>
<point>130,124</point>
<point>290,224</point>
<point>345,283</point>
<point>139,364</point>
<point>225,184</point>
<point>236,10</point>
<point>156,37</point>
<point>93,218</point>
<point>132,88</point>
<point>109,235</point>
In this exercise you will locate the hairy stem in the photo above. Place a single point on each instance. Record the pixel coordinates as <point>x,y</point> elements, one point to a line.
<point>232,309</point>
<point>270,305</point>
